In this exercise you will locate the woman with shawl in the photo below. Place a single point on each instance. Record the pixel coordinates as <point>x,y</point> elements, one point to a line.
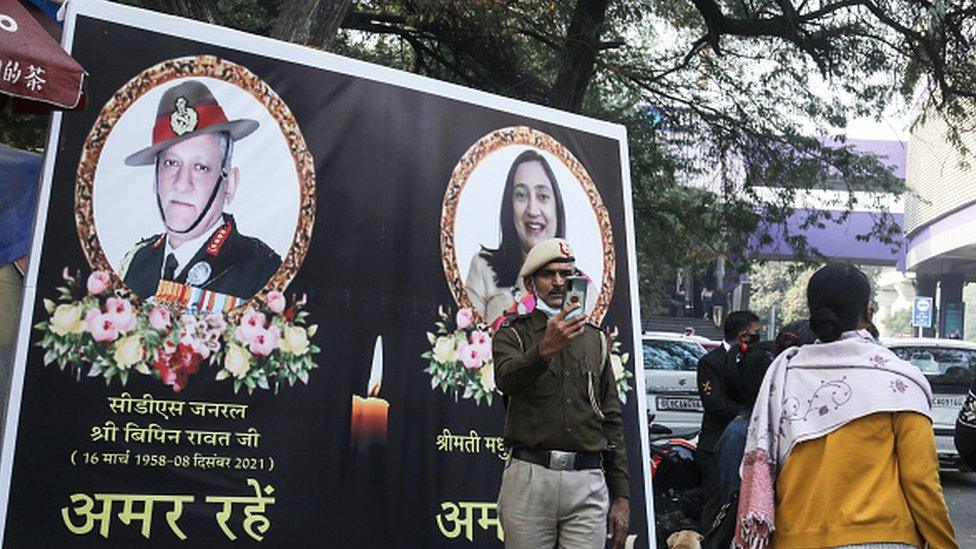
<point>840,451</point>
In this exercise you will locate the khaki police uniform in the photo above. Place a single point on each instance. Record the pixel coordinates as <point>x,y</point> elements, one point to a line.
<point>562,413</point>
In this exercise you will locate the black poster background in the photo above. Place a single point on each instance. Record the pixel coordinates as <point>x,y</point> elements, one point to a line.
<point>383,157</point>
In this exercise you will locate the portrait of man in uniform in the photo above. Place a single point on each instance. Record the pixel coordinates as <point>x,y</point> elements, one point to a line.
<point>195,180</point>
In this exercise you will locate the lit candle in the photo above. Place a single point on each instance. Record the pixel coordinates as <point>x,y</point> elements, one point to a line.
<point>370,415</point>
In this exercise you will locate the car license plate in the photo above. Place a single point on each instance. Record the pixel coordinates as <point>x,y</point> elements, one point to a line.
<point>679,404</point>
<point>953,402</point>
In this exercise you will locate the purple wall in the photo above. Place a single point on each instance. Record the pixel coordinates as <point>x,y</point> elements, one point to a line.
<point>836,241</point>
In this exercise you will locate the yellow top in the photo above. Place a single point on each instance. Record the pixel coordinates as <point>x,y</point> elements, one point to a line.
<point>874,480</point>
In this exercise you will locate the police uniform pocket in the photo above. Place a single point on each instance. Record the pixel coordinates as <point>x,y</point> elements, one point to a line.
<point>546,385</point>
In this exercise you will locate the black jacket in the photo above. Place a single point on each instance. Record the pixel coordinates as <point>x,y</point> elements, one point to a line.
<point>965,437</point>
<point>718,413</point>
<point>238,265</point>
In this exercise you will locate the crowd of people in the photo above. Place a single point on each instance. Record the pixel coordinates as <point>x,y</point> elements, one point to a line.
<point>821,438</point>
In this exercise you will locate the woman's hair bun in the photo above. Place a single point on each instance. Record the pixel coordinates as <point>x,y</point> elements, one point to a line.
<point>826,324</point>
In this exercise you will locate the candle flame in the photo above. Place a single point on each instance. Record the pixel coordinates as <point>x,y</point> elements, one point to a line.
<point>376,370</point>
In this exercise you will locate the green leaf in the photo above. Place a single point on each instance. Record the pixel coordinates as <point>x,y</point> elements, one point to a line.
<point>222,375</point>
<point>123,376</point>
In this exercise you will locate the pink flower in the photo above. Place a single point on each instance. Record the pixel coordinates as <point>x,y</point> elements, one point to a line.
<point>100,326</point>
<point>471,356</point>
<point>464,318</point>
<point>265,341</point>
<point>201,348</point>
<point>480,338</point>
<point>482,341</point>
<point>159,318</point>
<point>98,282</point>
<point>276,302</point>
<point>252,323</point>
<point>119,311</point>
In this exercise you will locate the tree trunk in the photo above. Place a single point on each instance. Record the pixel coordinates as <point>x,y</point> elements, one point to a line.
<point>310,22</point>
<point>578,55</point>
<point>191,9</point>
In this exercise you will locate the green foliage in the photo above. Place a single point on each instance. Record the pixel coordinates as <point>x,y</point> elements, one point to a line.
<point>899,323</point>
<point>729,125</point>
<point>781,286</point>
<point>22,131</point>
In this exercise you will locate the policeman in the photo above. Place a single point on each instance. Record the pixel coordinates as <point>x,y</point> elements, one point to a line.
<point>192,146</point>
<point>563,422</point>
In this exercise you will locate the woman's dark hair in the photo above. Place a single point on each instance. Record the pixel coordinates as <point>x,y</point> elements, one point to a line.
<point>794,334</point>
<point>837,295</point>
<point>506,260</point>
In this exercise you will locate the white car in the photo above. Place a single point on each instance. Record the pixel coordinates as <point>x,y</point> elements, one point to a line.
<point>670,378</point>
<point>949,365</point>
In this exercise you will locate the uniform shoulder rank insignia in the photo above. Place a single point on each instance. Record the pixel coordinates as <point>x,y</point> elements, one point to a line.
<point>198,273</point>
<point>218,239</point>
<point>184,118</point>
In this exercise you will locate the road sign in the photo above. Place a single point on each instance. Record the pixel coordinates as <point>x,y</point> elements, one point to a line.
<point>922,312</point>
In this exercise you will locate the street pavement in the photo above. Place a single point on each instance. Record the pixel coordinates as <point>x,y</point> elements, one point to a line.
<point>960,493</point>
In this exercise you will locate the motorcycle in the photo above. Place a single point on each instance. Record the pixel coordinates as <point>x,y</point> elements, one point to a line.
<point>676,482</point>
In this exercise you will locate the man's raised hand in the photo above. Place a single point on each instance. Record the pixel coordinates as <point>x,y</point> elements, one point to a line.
<point>559,331</point>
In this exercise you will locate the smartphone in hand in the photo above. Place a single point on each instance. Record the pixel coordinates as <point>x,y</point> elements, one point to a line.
<point>575,293</point>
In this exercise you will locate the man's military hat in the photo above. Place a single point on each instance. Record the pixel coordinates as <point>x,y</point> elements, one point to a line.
<point>545,252</point>
<point>188,110</point>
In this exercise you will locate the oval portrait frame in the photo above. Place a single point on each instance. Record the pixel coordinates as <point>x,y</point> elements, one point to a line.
<point>526,136</point>
<point>155,76</point>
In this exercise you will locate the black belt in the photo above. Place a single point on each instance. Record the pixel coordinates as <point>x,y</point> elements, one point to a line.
<point>559,460</point>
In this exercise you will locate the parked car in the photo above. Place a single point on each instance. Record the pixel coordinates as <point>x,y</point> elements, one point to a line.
<point>670,368</point>
<point>949,365</point>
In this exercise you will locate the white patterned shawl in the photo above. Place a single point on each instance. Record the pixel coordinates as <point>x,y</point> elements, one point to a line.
<point>808,393</point>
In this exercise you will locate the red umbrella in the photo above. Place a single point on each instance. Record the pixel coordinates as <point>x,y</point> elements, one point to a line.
<point>33,66</point>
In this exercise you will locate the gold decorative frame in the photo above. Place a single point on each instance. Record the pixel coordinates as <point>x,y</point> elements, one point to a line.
<point>521,135</point>
<point>183,67</point>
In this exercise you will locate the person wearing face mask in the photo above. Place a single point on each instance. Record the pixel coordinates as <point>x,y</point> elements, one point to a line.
<point>532,211</point>
<point>566,483</point>
<point>740,327</point>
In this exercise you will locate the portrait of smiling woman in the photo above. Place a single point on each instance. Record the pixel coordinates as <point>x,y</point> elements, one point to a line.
<point>512,189</point>
<point>532,210</point>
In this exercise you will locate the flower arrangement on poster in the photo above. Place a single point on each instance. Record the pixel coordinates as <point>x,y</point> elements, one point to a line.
<point>460,359</point>
<point>95,331</point>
